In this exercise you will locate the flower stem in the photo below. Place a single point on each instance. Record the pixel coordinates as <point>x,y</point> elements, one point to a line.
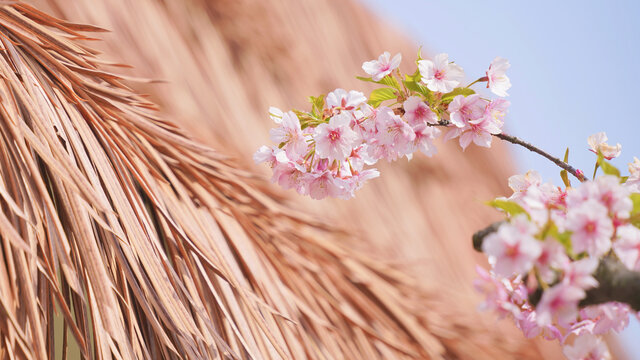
<point>477,81</point>
<point>570,169</point>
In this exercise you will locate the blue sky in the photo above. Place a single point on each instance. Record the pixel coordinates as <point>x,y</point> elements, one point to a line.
<point>574,70</point>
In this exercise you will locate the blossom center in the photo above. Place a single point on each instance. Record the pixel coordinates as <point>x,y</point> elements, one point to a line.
<point>334,135</point>
<point>439,75</point>
<point>590,227</point>
<point>420,112</point>
<point>607,199</point>
<point>511,251</point>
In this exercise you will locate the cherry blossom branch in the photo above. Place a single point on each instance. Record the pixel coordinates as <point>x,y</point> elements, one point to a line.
<point>616,282</point>
<point>570,169</point>
<point>514,140</point>
<point>536,277</point>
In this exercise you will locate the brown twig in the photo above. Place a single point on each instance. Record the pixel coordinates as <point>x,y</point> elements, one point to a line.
<point>570,169</point>
<point>514,140</point>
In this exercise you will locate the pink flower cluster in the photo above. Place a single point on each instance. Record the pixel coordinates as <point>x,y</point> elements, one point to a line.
<point>329,158</point>
<point>325,153</point>
<point>476,119</point>
<point>554,244</point>
<point>543,257</point>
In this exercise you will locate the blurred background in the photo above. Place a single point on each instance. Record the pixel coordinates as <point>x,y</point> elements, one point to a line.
<point>574,70</point>
<point>226,61</point>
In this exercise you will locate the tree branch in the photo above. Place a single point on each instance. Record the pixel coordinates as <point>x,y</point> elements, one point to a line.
<point>570,169</point>
<point>514,140</point>
<point>617,283</point>
<point>479,236</point>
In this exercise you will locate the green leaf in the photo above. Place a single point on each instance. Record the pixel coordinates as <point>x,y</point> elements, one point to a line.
<point>635,198</point>
<point>419,88</point>
<point>448,97</point>
<point>563,238</point>
<point>317,104</point>
<point>510,207</point>
<point>387,81</point>
<point>379,95</point>
<point>634,217</point>
<point>635,220</point>
<point>566,156</point>
<point>607,168</point>
<point>414,77</point>
<point>306,118</point>
<point>565,178</point>
<point>390,81</point>
<point>414,84</point>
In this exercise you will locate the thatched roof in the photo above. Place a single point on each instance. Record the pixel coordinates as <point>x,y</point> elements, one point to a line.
<point>145,243</point>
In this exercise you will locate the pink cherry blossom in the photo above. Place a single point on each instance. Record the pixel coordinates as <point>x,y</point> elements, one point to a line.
<point>264,154</point>
<point>290,134</point>
<point>584,326</point>
<point>381,67</point>
<point>440,74</point>
<point>587,347</point>
<point>498,82</point>
<point>322,185</point>
<point>633,182</point>
<point>607,317</point>
<point>608,191</point>
<point>634,167</point>
<point>526,322</point>
<point>347,100</point>
<point>592,228</point>
<point>551,258</point>
<point>579,273</point>
<point>479,132</point>
<point>424,137</point>
<point>560,301</point>
<point>497,110</point>
<point>335,140</point>
<point>521,183</point>
<point>614,196</point>
<point>597,143</point>
<point>393,131</point>
<point>543,202</point>
<point>497,293</point>
<point>462,109</point>
<point>627,246</point>
<point>355,182</point>
<point>416,111</point>
<point>288,174</point>
<point>512,249</point>
<point>359,157</point>
<point>379,150</point>
<point>276,114</point>
<point>364,121</point>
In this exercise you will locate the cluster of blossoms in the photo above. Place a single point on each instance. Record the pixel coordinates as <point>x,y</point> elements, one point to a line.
<point>550,246</point>
<point>543,257</point>
<point>328,151</point>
